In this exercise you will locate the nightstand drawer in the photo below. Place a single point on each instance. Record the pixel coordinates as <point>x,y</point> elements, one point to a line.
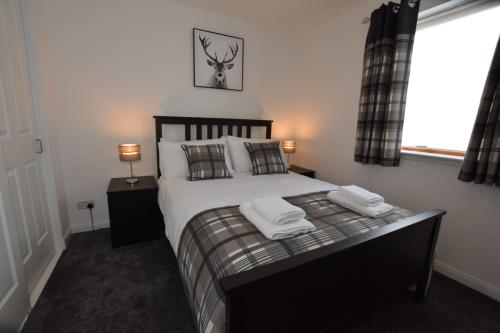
<point>130,231</point>
<point>129,205</point>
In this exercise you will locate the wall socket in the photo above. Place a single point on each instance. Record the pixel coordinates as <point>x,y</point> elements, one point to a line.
<point>83,204</point>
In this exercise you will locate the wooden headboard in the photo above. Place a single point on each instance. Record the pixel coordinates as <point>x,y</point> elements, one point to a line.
<point>209,123</point>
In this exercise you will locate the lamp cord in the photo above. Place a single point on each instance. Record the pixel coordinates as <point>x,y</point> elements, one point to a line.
<point>90,206</point>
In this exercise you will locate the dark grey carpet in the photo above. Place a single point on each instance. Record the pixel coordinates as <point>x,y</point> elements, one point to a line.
<point>138,289</point>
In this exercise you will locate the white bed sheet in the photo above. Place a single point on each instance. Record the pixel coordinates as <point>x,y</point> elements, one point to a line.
<point>180,199</point>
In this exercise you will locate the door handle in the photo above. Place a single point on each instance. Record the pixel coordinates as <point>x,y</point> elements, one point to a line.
<point>40,146</point>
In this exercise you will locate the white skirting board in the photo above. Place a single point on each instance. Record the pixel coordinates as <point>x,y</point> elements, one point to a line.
<point>468,280</point>
<point>37,290</point>
<point>67,236</point>
<point>82,227</point>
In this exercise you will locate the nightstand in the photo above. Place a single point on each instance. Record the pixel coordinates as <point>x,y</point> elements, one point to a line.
<point>133,211</point>
<point>302,171</point>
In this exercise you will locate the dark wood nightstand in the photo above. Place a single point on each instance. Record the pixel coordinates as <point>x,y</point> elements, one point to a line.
<point>303,171</point>
<point>133,211</point>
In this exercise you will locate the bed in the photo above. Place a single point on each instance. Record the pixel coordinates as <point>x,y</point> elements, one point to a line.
<point>236,280</point>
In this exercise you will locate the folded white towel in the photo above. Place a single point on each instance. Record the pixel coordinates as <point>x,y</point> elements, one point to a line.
<point>379,210</point>
<point>277,211</point>
<point>360,196</point>
<point>271,230</point>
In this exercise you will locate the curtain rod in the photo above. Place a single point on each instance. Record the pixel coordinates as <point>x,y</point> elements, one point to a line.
<point>443,8</point>
<point>411,3</point>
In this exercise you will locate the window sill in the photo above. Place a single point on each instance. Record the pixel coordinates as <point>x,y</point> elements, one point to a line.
<point>432,158</point>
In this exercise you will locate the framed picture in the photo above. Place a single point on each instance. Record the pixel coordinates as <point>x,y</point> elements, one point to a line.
<point>218,60</point>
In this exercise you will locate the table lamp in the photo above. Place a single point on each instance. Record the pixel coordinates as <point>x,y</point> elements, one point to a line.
<point>289,148</point>
<point>130,152</point>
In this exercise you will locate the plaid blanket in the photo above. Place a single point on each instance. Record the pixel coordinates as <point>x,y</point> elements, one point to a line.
<point>221,242</point>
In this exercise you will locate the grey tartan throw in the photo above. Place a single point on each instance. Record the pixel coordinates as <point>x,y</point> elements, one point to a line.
<point>206,162</point>
<point>482,159</point>
<point>386,70</point>
<point>221,242</point>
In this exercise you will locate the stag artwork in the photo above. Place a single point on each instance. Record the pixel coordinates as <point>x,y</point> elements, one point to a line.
<point>218,78</point>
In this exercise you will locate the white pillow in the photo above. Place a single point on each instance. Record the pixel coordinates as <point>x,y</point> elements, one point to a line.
<point>173,162</point>
<point>239,154</point>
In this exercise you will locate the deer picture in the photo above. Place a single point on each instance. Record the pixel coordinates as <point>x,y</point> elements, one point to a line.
<point>218,78</point>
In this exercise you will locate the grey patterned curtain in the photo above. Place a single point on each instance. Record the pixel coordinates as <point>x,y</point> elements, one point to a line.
<point>386,70</point>
<point>482,159</point>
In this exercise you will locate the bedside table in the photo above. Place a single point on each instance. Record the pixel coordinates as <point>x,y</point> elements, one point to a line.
<point>302,171</point>
<point>133,211</point>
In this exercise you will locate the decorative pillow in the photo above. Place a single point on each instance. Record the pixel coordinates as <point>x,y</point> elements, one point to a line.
<point>206,162</point>
<point>239,155</point>
<point>173,160</point>
<point>266,158</point>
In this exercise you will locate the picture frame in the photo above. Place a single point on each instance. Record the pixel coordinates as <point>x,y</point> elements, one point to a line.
<point>217,60</point>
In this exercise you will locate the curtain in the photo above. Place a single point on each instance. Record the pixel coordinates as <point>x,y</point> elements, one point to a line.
<point>386,70</point>
<point>482,159</point>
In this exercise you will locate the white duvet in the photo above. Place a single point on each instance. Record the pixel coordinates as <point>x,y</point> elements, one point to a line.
<point>180,199</point>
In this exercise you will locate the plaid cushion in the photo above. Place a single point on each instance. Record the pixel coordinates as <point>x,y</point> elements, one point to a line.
<point>266,158</point>
<point>206,162</point>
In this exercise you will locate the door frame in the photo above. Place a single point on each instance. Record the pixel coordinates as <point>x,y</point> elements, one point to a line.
<point>39,101</point>
<point>31,20</point>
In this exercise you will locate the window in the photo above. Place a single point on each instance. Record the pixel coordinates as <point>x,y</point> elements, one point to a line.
<point>450,62</point>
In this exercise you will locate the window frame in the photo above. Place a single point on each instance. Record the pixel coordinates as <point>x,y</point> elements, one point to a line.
<point>435,13</point>
<point>438,151</point>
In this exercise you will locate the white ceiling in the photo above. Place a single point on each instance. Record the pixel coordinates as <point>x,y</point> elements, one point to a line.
<point>293,15</point>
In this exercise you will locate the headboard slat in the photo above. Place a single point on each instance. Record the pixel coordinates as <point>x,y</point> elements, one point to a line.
<point>209,131</point>
<point>187,132</point>
<point>198,132</point>
<point>209,122</point>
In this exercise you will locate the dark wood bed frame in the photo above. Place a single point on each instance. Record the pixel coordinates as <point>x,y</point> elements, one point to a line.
<point>316,290</point>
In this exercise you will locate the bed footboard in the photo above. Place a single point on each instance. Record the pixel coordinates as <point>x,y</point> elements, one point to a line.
<point>313,291</point>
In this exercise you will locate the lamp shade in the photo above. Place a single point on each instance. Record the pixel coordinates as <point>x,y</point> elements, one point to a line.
<point>129,152</point>
<point>289,146</point>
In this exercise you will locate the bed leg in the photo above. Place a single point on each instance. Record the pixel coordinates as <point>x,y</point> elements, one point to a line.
<point>423,285</point>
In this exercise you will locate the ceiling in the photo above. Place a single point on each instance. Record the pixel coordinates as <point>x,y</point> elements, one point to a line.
<point>292,15</point>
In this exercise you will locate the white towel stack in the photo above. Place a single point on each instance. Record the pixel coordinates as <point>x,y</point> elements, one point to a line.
<point>360,200</point>
<point>276,218</point>
<point>277,211</point>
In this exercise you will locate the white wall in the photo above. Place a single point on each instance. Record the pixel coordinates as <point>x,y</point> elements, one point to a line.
<point>113,64</point>
<point>329,85</point>
<point>116,63</point>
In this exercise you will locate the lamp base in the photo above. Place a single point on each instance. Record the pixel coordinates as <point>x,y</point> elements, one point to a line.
<point>132,181</point>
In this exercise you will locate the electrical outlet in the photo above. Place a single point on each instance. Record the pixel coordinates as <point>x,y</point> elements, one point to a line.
<point>83,204</point>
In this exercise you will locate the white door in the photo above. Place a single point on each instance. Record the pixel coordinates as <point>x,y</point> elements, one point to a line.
<point>21,164</point>
<point>14,300</point>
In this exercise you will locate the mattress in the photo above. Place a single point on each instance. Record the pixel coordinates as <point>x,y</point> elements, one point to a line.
<point>180,199</point>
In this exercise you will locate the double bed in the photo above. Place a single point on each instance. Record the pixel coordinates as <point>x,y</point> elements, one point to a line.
<point>236,280</point>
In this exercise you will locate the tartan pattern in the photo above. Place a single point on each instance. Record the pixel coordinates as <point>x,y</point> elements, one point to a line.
<point>482,159</point>
<point>206,162</point>
<point>266,157</point>
<point>386,70</point>
<point>221,242</point>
